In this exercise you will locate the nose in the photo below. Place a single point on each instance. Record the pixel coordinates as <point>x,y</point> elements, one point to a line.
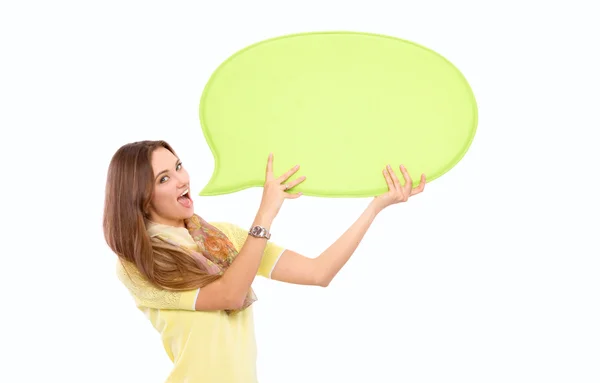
<point>183,179</point>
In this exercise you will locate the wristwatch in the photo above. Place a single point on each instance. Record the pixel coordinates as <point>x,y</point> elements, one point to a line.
<point>259,232</point>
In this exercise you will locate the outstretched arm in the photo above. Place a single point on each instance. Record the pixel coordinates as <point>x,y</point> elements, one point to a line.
<point>296,268</point>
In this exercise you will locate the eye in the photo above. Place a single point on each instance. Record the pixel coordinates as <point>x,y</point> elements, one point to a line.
<point>165,178</point>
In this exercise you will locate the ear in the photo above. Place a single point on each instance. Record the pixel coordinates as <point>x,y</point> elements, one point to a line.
<point>149,211</point>
<point>146,211</point>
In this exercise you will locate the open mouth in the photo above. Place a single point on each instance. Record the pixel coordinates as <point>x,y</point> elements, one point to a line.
<point>185,199</point>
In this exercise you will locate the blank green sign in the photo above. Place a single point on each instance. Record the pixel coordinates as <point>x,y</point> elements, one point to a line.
<point>341,105</point>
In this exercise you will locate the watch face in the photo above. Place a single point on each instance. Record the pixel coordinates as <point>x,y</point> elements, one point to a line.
<point>256,230</point>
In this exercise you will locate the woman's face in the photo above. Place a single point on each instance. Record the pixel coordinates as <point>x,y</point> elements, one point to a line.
<point>171,203</point>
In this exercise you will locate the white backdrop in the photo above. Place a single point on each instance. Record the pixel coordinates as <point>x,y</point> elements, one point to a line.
<point>491,275</point>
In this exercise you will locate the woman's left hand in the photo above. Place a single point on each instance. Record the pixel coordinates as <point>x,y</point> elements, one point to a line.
<point>397,193</point>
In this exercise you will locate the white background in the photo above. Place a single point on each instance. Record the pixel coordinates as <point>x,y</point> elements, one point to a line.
<point>491,275</point>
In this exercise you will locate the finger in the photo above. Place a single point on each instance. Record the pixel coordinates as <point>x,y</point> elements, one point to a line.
<point>269,171</point>
<point>388,180</point>
<point>287,174</point>
<point>294,182</point>
<point>407,180</point>
<point>395,179</point>
<point>294,196</point>
<point>421,186</point>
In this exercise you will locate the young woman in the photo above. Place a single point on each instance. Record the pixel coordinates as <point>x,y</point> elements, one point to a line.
<point>193,278</point>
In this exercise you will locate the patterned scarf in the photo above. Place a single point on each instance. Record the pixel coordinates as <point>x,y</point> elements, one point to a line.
<point>217,251</point>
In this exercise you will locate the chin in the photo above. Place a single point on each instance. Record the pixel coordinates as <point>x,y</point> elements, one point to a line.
<point>190,214</point>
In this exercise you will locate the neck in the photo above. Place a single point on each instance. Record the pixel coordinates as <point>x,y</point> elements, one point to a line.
<point>174,223</point>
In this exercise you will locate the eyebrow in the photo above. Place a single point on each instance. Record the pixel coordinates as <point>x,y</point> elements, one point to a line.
<point>165,171</point>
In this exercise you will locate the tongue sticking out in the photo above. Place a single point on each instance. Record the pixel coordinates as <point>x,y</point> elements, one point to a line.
<point>185,201</point>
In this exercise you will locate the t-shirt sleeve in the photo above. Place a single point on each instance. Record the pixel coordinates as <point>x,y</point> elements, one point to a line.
<point>238,236</point>
<point>147,295</point>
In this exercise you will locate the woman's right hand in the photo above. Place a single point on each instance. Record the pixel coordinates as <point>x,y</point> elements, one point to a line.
<point>274,190</point>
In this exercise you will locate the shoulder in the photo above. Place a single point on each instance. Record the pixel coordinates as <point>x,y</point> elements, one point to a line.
<point>129,274</point>
<point>123,267</point>
<point>225,226</point>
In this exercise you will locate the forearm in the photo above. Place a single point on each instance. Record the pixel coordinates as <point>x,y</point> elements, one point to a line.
<point>330,262</point>
<point>241,273</point>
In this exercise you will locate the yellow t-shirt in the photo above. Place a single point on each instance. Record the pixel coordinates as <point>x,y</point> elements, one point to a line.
<point>204,346</point>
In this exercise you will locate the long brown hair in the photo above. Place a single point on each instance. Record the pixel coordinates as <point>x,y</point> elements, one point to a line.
<point>129,190</point>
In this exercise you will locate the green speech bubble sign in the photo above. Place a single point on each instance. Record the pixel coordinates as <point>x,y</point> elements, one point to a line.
<point>342,105</point>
